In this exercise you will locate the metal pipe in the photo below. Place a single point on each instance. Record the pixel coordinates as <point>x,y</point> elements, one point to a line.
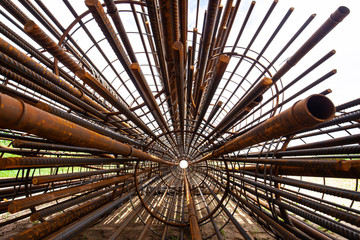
<point>304,114</point>
<point>94,127</point>
<point>307,71</point>
<point>24,117</point>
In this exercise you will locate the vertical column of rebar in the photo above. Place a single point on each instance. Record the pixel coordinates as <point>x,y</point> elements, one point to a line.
<point>205,45</point>
<point>180,80</point>
<point>193,219</point>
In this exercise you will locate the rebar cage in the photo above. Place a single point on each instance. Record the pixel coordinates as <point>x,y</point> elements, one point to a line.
<point>102,100</point>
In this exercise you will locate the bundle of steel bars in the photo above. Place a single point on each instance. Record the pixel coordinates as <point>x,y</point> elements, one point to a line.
<point>169,114</point>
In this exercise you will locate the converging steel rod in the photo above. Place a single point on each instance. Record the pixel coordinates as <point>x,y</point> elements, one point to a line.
<point>21,116</point>
<point>304,114</point>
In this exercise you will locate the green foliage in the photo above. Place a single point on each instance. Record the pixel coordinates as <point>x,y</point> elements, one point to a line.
<point>8,173</point>
<point>38,172</point>
<point>5,143</point>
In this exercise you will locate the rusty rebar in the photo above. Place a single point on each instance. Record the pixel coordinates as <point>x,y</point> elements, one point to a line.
<point>324,29</point>
<point>53,146</point>
<point>305,114</point>
<point>21,204</point>
<point>180,82</point>
<point>193,219</point>
<point>21,116</point>
<point>68,107</point>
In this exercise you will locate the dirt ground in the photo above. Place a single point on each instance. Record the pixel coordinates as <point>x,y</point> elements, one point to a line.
<point>105,228</point>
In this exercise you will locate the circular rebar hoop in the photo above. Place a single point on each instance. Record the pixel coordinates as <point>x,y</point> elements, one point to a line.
<point>101,104</point>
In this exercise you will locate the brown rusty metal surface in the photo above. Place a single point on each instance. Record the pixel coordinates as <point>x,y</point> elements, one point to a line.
<point>57,222</point>
<point>22,204</point>
<point>49,146</point>
<point>304,114</point>
<point>21,116</point>
<point>55,178</point>
<point>44,40</point>
<point>176,116</point>
<point>193,219</point>
<point>180,81</point>
<point>148,96</point>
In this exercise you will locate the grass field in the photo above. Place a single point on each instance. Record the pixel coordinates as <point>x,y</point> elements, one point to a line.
<point>37,172</point>
<point>34,172</point>
<point>7,173</point>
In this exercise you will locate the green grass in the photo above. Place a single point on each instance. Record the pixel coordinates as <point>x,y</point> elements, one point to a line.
<point>8,173</point>
<point>5,143</point>
<point>34,172</point>
<point>38,172</point>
